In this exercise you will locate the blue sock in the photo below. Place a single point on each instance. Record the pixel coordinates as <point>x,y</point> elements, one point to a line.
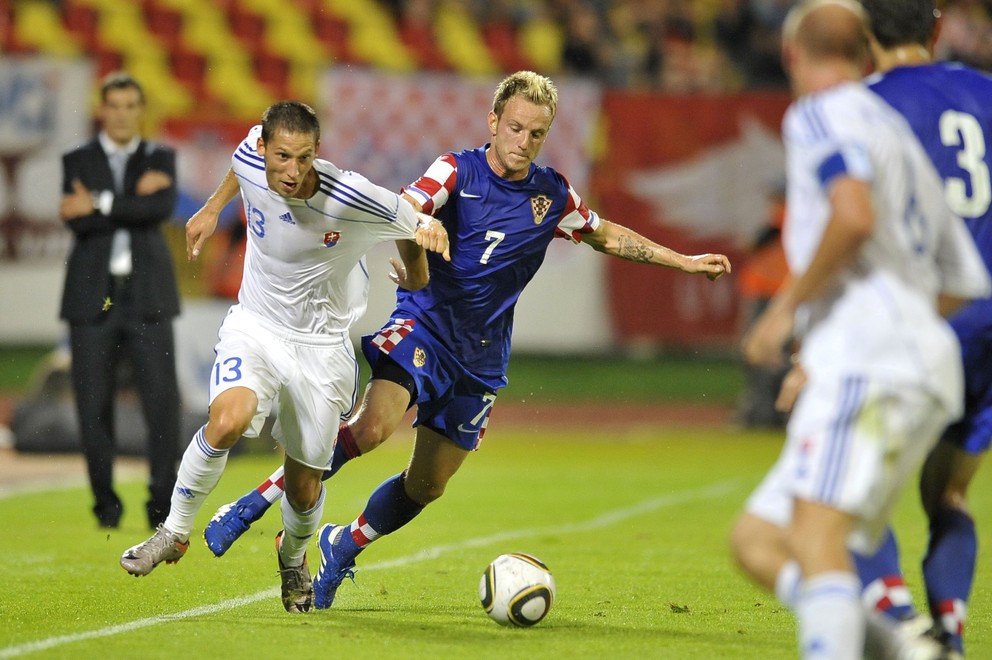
<point>388,509</point>
<point>949,569</point>
<point>884,589</point>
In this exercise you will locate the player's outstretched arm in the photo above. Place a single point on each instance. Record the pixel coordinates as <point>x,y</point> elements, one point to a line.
<point>202,225</point>
<point>619,241</point>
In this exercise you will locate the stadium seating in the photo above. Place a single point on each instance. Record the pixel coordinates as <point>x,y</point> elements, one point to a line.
<point>37,25</point>
<point>231,58</point>
<point>460,38</point>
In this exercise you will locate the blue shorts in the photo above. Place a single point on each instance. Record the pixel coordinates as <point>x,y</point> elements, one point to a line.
<point>973,326</point>
<point>450,399</point>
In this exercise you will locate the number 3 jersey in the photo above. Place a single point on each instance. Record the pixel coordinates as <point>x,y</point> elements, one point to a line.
<point>879,319</point>
<point>499,232</point>
<point>949,107</point>
<point>303,265</point>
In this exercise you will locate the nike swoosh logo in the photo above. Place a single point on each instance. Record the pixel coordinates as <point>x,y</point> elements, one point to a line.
<point>461,427</point>
<point>470,195</point>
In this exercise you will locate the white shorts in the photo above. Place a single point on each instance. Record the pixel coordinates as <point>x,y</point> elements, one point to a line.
<point>311,379</point>
<point>852,444</point>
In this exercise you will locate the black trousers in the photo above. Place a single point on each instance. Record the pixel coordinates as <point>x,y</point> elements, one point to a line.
<point>97,352</point>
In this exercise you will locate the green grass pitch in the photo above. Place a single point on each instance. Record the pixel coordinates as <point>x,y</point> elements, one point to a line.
<point>633,523</point>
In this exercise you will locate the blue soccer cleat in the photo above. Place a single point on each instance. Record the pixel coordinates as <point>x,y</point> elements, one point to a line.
<point>232,520</point>
<point>333,570</point>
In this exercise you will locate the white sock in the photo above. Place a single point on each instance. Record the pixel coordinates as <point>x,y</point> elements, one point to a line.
<point>831,617</point>
<point>199,472</point>
<point>787,584</point>
<point>299,528</point>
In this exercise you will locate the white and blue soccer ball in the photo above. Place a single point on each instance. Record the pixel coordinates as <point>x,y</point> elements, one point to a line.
<point>517,590</point>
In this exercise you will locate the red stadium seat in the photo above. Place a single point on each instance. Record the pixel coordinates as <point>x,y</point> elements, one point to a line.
<point>164,22</point>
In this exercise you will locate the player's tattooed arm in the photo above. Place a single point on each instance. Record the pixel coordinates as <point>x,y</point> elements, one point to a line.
<point>631,249</point>
<point>619,241</point>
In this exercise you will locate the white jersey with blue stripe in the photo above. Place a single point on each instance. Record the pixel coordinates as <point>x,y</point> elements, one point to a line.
<point>304,264</point>
<point>880,318</point>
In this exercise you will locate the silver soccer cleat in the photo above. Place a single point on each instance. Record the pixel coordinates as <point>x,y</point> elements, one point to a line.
<point>162,546</point>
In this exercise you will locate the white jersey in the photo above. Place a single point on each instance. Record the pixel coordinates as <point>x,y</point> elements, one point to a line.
<point>303,267</point>
<point>880,319</point>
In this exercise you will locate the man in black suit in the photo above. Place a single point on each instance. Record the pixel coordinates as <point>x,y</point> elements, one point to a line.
<point>120,292</point>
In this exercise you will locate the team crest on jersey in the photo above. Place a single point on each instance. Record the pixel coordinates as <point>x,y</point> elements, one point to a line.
<point>331,238</point>
<point>540,205</point>
<point>287,217</point>
<point>419,357</point>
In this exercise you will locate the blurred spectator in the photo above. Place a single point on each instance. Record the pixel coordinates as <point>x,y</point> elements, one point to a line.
<point>585,38</point>
<point>966,33</point>
<point>630,48</point>
<point>666,45</point>
<point>764,271</point>
<point>747,34</point>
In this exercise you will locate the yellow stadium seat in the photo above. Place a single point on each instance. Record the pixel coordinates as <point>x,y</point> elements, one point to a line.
<point>37,24</point>
<point>461,40</point>
<point>542,42</point>
<point>166,96</point>
<point>123,28</point>
<point>185,6</point>
<point>206,31</point>
<point>232,81</point>
<point>372,35</point>
<point>108,5</point>
<point>291,35</point>
<point>303,82</point>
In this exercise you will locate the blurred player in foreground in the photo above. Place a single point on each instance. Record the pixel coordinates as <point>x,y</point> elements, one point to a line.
<point>949,107</point>
<point>447,346</point>
<point>874,251</point>
<point>309,225</point>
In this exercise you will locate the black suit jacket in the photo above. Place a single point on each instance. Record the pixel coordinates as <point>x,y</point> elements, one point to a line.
<point>88,279</point>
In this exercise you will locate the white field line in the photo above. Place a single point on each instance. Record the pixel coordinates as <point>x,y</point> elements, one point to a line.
<point>604,520</point>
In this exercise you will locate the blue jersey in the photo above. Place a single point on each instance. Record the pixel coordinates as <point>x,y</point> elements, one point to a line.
<point>499,232</point>
<point>949,107</point>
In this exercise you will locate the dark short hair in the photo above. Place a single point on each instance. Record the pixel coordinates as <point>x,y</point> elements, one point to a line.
<point>899,22</point>
<point>292,117</point>
<point>120,80</point>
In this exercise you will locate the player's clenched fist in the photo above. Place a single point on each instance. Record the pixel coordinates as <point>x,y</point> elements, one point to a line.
<point>431,235</point>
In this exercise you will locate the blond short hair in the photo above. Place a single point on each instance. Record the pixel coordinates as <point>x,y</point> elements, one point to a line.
<point>534,87</point>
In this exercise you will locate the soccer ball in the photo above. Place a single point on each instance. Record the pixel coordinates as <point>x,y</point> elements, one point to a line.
<point>517,590</point>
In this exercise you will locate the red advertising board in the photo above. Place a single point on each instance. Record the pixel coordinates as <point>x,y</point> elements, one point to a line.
<point>693,173</point>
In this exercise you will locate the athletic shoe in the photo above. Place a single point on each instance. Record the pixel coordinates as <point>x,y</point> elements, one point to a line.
<point>914,640</point>
<point>297,589</point>
<point>950,651</point>
<point>162,546</point>
<point>333,570</point>
<point>232,520</point>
